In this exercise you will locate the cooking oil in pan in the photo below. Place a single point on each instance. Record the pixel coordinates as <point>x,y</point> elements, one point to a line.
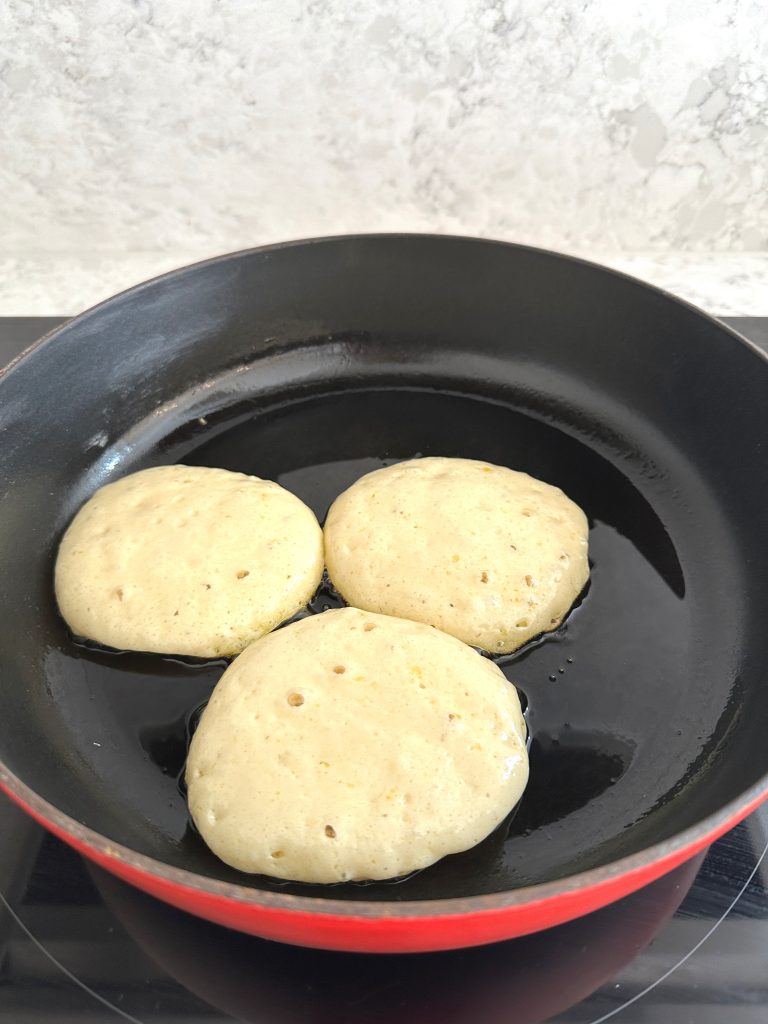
<point>601,699</point>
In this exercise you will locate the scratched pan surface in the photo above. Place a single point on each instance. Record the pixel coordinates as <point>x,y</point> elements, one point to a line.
<point>315,362</point>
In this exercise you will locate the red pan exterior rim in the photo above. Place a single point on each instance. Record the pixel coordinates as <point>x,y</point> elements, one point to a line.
<point>387,927</point>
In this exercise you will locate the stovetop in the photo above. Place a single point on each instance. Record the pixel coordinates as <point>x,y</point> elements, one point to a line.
<point>77,945</point>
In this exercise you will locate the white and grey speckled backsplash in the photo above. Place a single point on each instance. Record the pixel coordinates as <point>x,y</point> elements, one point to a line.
<point>191,128</point>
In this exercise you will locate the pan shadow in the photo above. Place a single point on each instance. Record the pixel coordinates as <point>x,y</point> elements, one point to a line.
<point>527,980</point>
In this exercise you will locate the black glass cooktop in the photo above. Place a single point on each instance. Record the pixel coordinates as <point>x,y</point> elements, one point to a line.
<point>77,945</point>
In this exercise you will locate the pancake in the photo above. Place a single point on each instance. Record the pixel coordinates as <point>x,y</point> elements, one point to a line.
<point>354,746</point>
<point>489,555</point>
<point>187,560</point>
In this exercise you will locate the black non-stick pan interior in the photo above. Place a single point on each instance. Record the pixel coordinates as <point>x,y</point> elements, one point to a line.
<point>313,363</point>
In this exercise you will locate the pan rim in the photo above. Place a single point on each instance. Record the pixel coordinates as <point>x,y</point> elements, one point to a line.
<point>50,336</point>
<point>671,848</point>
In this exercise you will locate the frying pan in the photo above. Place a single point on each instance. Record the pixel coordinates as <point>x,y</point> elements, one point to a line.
<point>314,362</point>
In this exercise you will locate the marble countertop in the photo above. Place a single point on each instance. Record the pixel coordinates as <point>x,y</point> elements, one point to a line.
<point>727,284</point>
<point>144,136</point>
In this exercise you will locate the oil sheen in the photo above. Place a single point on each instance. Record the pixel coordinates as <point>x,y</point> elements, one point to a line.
<point>599,695</point>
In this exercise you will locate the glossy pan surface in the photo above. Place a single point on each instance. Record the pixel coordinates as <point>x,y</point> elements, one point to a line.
<point>312,363</point>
